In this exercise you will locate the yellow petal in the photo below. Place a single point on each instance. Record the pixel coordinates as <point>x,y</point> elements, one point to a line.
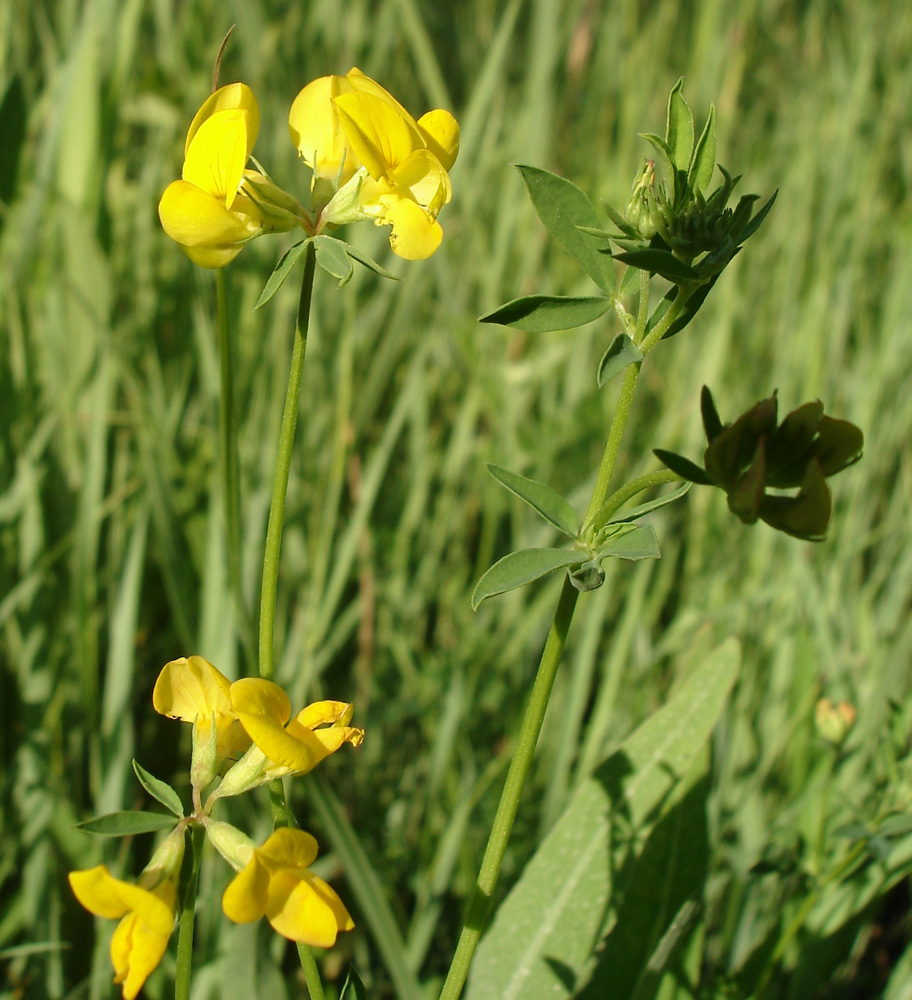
<point>440,132</point>
<point>317,132</point>
<point>363,84</point>
<point>415,234</point>
<point>246,897</point>
<point>376,130</point>
<point>191,688</point>
<point>196,219</point>
<point>105,896</point>
<point>300,752</point>
<point>289,848</point>
<point>217,155</point>
<point>205,257</point>
<point>304,908</point>
<point>423,176</point>
<point>135,951</point>
<point>322,713</point>
<point>256,696</point>
<point>233,97</point>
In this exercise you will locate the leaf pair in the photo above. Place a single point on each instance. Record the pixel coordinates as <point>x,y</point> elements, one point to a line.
<point>130,822</point>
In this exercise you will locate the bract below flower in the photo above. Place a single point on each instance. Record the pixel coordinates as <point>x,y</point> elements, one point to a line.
<point>277,884</point>
<point>209,211</point>
<point>146,911</point>
<point>314,733</point>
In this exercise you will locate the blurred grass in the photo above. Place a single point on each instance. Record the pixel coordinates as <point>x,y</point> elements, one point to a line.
<point>111,524</point>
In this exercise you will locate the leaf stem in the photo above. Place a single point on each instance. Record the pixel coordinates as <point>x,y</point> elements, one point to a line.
<point>509,800</point>
<point>187,918</point>
<point>230,467</point>
<point>283,464</point>
<point>628,491</point>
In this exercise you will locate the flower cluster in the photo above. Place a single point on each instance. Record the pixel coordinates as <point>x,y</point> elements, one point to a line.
<point>370,160</point>
<point>243,736</point>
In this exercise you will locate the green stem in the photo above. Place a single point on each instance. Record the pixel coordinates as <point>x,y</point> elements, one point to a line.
<point>628,491</point>
<point>509,800</point>
<point>311,972</point>
<point>187,916</point>
<point>283,464</point>
<point>230,466</point>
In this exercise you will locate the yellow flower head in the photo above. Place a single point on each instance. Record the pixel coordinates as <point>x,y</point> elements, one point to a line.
<point>193,690</point>
<point>146,911</point>
<point>345,125</point>
<point>208,212</point>
<point>298,745</point>
<point>277,884</point>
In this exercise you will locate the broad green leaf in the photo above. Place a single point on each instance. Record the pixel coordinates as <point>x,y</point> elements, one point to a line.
<point>679,127</point>
<point>700,174</point>
<point>563,208</point>
<point>622,517</point>
<point>519,568</point>
<point>541,498</point>
<point>641,543</point>
<point>544,935</point>
<point>126,824</point>
<point>159,790</point>
<point>281,271</point>
<point>658,905</point>
<point>543,313</point>
<point>622,352</point>
<point>367,262</point>
<point>332,257</point>
<point>353,989</point>
<point>659,262</point>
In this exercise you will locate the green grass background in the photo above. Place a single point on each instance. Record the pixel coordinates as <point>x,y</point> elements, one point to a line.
<point>112,556</point>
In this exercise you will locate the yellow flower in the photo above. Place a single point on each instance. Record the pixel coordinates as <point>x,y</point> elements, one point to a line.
<point>277,884</point>
<point>215,208</point>
<point>146,911</point>
<point>263,709</point>
<point>350,125</point>
<point>193,690</point>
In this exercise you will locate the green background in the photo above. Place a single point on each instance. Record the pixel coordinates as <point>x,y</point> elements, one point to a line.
<point>112,556</point>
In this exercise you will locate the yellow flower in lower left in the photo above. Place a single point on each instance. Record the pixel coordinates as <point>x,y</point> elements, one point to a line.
<point>146,911</point>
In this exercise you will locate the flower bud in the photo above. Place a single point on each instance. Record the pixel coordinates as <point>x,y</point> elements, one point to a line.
<point>833,722</point>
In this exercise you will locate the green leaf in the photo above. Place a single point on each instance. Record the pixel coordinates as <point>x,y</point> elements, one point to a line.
<point>519,568</point>
<point>281,272</point>
<point>159,790</point>
<point>542,313</point>
<point>754,223</point>
<point>683,467</point>
<point>679,127</point>
<point>644,508</point>
<point>641,543</point>
<point>541,498</point>
<point>622,352</point>
<point>563,208</point>
<point>367,262</point>
<point>353,989</point>
<point>712,422</point>
<point>700,174</point>
<point>126,824</point>
<point>545,933</point>
<point>630,283</point>
<point>664,154</point>
<point>333,258</point>
<point>659,262</point>
<point>12,138</point>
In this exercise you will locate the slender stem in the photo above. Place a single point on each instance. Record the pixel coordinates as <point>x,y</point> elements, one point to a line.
<point>283,464</point>
<point>230,466</point>
<point>187,916</point>
<point>509,801</point>
<point>628,491</point>
<point>311,972</point>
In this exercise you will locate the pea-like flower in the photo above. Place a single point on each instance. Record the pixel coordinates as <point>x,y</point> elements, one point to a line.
<point>283,745</point>
<point>352,131</point>
<point>277,884</point>
<point>146,911</point>
<point>193,690</point>
<point>219,205</point>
